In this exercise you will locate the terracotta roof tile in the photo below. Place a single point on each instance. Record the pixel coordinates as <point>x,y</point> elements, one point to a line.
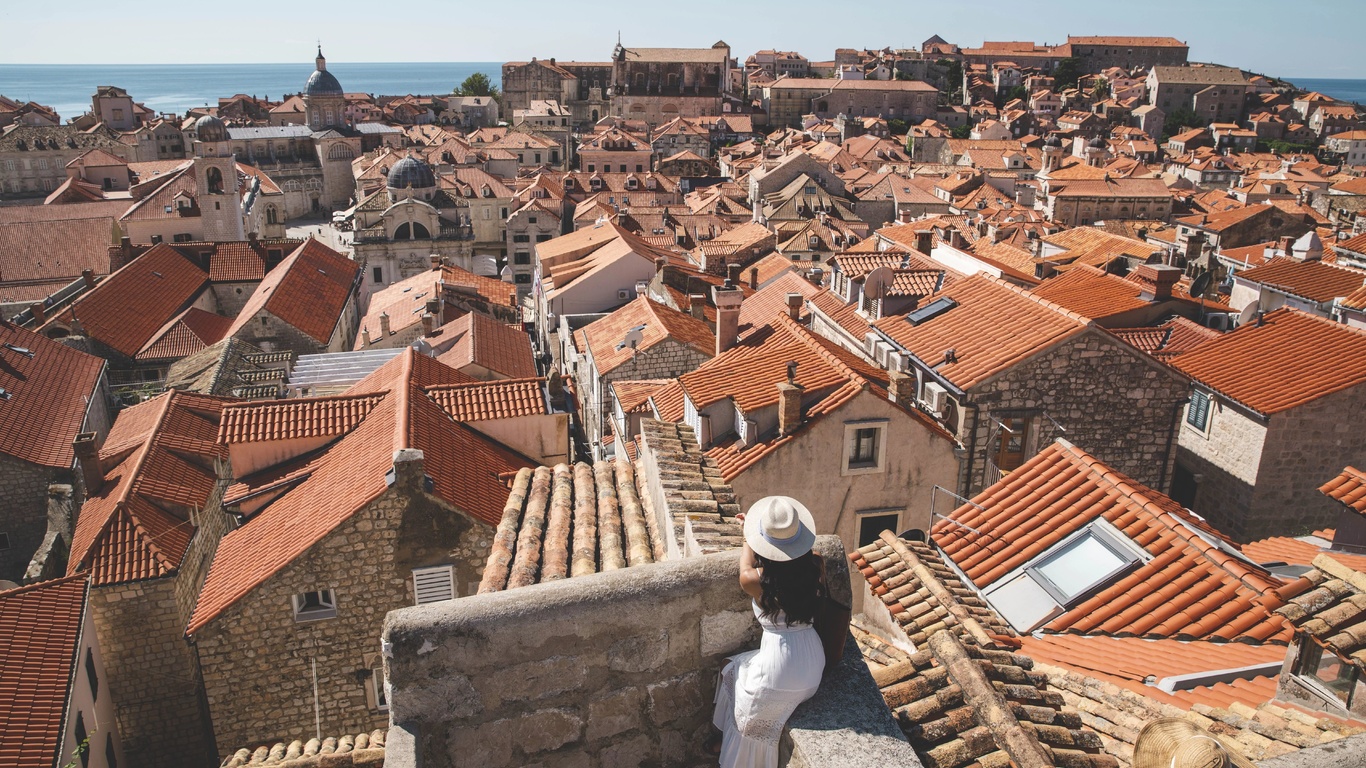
<point>1311,280</point>
<point>634,394</point>
<point>465,468</point>
<point>1329,608</point>
<point>1289,359</point>
<point>309,290</point>
<point>403,303</point>
<point>40,639</point>
<point>158,463</point>
<point>485,400</point>
<point>1348,488</point>
<point>846,316</point>
<point>477,339</point>
<point>48,396</point>
<point>660,323</point>
<point>36,255</point>
<point>759,308</point>
<point>1091,292</point>
<point>1193,587</point>
<point>295,418</point>
<point>1173,337</point>
<point>1299,550</point>
<point>187,333</point>
<point>993,327</point>
<point>126,310</point>
<point>490,289</point>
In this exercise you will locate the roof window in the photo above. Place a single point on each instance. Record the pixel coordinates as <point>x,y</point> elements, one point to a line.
<point>932,310</point>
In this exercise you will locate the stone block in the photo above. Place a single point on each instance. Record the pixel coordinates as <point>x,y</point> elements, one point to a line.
<point>487,745</point>
<point>675,698</point>
<point>727,632</point>
<point>640,653</point>
<point>615,713</point>
<point>537,679</point>
<point>545,730</point>
<point>629,754</point>
<point>448,693</point>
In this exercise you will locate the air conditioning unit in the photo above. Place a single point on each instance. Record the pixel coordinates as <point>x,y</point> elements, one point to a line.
<point>623,294</point>
<point>935,397</point>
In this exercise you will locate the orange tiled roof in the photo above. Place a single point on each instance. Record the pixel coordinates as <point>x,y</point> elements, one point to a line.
<point>1174,337</point>
<point>185,334</point>
<point>1299,550</point>
<point>1291,358</point>
<point>485,400</point>
<point>994,326</point>
<point>1355,300</point>
<point>493,291</point>
<point>661,323</point>
<point>309,290</point>
<point>1091,292</point>
<point>1311,280</point>
<point>402,303</point>
<point>49,394</point>
<point>1328,608</point>
<point>634,394</point>
<point>40,636</point>
<point>332,485</point>
<point>480,340</point>
<point>295,418</point>
<point>1191,589</point>
<point>765,304</point>
<point>1348,488</point>
<point>844,315</point>
<point>126,310</point>
<point>158,462</point>
<point>38,257</point>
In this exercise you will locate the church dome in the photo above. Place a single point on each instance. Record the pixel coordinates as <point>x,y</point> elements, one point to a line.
<point>210,128</point>
<point>322,83</point>
<point>1097,143</point>
<point>411,172</point>
<point>1052,141</point>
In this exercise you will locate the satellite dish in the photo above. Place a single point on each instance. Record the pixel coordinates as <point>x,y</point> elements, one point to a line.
<point>633,338</point>
<point>1201,284</point>
<point>1249,312</point>
<point>878,282</point>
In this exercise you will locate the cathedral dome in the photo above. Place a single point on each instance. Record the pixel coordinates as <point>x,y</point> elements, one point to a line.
<point>322,83</point>
<point>1097,143</point>
<point>411,172</point>
<point>210,128</point>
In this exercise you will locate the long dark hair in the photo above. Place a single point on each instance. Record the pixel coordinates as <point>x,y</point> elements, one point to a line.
<point>794,587</point>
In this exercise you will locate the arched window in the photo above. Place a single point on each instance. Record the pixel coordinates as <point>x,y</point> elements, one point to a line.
<point>214,178</point>
<point>417,232</point>
<point>271,215</point>
<point>340,152</point>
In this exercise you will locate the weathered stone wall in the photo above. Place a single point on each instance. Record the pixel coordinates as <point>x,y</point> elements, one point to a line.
<point>23,512</point>
<point>1114,402</point>
<point>610,669</point>
<point>258,662</point>
<point>1225,461</point>
<point>665,360</point>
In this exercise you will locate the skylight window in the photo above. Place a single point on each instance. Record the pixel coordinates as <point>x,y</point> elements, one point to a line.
<point>932,310</point>
<point>1080,564</point>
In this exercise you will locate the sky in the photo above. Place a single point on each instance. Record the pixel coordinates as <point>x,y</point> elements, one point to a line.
<point>1295,38</point>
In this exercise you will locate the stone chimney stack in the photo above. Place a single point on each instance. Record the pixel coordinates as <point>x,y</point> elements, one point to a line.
<point>794,305</point>
<point>697,305</point>
<point>39,316</point>
<point>727,299</point>
<point>789,403</point>
<point>383,325</point>
<point>733,273</point>
<point>660,264</point>
<point>1156,281</point>
<point>901,388</point>
<point>754,278</point>
<point>365,337</point>
<point>88,275</point>
<point>924,241</point>
<point>905,216</point>
<point>428,324</point>
<point>435,260</point>
<point>88,456</point>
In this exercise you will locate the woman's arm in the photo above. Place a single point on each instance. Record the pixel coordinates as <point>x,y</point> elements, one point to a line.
<point>749,573</point>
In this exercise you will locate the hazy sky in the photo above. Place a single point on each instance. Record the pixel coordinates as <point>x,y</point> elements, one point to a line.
<point>1289,38</point>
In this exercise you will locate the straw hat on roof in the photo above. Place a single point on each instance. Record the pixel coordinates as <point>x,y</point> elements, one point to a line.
<point>1172,742</point>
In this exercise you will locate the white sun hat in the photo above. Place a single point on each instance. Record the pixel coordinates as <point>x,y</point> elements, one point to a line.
<point>779,528</point>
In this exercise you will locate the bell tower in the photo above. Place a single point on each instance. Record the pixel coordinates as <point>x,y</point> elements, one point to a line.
<point>215,170</point>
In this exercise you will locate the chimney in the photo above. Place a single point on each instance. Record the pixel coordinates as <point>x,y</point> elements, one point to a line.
<point>39,317</point>
<point>794,306</point>
<point>754,278</point>
<point>733,273</point>
<point>924,241</point>
<point>789,403</point>
<point>365,337</point>
<point>428,324</point>
<point>697,305</point>
<point>660,263</point>
<point>727,299</point>
<point>904,216</point>
<point>434,307</point>
<point>88,456</point>
<point>88,275</point>
<point>436,261</point>
<point>1155,281</point>
<point>901,388</point>
<point>383,325</point>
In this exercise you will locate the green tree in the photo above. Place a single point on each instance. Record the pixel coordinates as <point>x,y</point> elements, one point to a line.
<point>961,132</point>
<point>477,84</point>
<point>1101,90</point>
<point>953,75</point>
<point>1178,121</point>
<point>1066,73</point>
<point>1018,92</point>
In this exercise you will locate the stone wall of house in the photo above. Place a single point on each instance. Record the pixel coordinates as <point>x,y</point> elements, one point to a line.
<point>1305,448</point>
<point>1224,462</point>
<point>258,662</point>
<point>23,512</point>
<point>664,360</point>
<point>1115,403</point>
<point>611,669</point>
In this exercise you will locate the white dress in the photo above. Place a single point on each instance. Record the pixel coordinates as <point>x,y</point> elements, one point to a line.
<point>759,689</point>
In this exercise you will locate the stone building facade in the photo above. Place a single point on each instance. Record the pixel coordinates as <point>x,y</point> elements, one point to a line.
<point>664,360</point>
<point>23,511</point>
<point>787,100</point>
<point>1098,54</point>
<point>658,84</point>
<point>258,662</point>
<point>33,158</point>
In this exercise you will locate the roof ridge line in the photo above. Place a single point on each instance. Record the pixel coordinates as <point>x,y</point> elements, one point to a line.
<point>801,333</point>
<point>403,391</point>
<point>25,588</point>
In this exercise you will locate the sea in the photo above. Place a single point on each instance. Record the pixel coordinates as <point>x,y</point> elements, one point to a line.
<point>1346,90</point>
<point>176,88</point>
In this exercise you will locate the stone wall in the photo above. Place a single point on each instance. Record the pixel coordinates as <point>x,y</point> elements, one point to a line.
<point>23,512</point>
<point>258,661</point>
<point>665,360</point>
<point>1305,448</point>
<point>611,669</point>
<point>1114,402</point>
<point>1225,461</point>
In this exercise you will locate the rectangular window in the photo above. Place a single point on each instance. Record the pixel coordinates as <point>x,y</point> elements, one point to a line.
<point>1197,413</point>
<point>1090,558</point>
<point>378,688</point>
<point>316,605</point>
<point>521,238</point>
<point>874,523</point>
<point>522,279</point>
<point>864,446</point>
<point>379,274</point>
<point>864,451</point>
<point>4,541</point>
<point>432,585</point>
<point>543,238</point>
<point>91,676</point>
<point>1328,673</point>
<point>521,257</point>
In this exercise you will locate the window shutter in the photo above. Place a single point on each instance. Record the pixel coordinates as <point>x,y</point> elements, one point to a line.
<point>432,585</point>
<point>1198,415</point>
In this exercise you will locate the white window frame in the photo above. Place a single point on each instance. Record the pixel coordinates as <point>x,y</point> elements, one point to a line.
<point>326,608</point>
<point>851,429</point>
<point>859,517</point>
<point>1108,536</point>
<point>433,574</point>
<point>379,688</point>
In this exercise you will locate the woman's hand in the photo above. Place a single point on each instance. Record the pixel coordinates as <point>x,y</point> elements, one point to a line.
<point>749,573</point>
